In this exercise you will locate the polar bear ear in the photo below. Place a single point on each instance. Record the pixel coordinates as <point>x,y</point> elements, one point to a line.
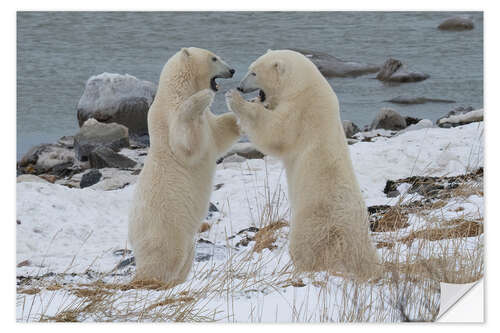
<point>185,52</point>
<point>279,66</point>
<point>268,50</point>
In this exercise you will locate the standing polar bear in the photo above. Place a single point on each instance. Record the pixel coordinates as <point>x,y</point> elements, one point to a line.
<point>174,186</point>
<point>296,118</point>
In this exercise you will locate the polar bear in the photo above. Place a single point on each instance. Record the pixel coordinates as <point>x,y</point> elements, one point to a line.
<point>296,118</point>
<point>173,190</point>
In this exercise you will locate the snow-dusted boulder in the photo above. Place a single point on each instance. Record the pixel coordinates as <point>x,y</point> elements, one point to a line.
<point>46,156</point>
<point>116,98</point>
<point>388,119</point>
<point>368,135</point>
<point>393,70</point>
<point>331,66</point>
<point>66,141</point>
<point>350,128</point>
<point>234,158</point>
<point>424,123</point>
<point>244,149</point>
<point>411,120</point>
<point>457,23</point>
<point>113,179</point>
<point>352,141</point>
<point>94,134</point>
<point>457,119</point>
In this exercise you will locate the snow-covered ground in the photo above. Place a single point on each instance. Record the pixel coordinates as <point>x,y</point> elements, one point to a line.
<point>64,230</point>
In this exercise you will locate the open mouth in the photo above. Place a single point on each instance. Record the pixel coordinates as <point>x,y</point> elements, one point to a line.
<point>213,84</point>
<point>262,95</point>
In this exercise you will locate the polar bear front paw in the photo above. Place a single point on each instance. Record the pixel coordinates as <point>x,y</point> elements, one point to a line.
<point>195,105</point>
<point>203,98</point>
<point>234,101</point>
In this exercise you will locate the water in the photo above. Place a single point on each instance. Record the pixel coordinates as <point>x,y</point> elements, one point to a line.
<point>58,51</point>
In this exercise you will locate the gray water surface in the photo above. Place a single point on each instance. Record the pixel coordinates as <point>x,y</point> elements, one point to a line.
<point>58,51</point>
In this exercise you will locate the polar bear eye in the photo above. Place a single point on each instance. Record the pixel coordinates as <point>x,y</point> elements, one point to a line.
<point>214,59</point>
<point>253,74</point>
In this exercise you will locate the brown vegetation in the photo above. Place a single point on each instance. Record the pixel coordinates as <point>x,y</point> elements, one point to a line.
<point>266,236</point>
<point>464,229</point>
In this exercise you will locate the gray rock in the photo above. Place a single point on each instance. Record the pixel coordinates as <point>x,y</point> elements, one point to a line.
<point>114,179</point>
<point>104,157</point>
<point>235,158</point>
<point>366,128</point>
<point>66,141</point>
<point>126,262</point>
<point>331,66</point>
<point>350,128</point>
<point>90,178</point>
<point>115,98</point>
<point>388,119</point>
<point>412,120</point>
<point>425,189</point>
<point>122,252</point>
<point>206,250</point>
<point>393,194</point>
<point>424,123</point>
<point>31,156</point>
<point>46,156</point>
<point>139,141</point>
<point>457,111</point>
<point>457,24</point>
<point>200,257</point>
<point>212,208</point>
<point>66,169</point>
<point>418,100</point>
<point>246,150</point>
<point>460,117</point>
<point>393,70</point>
<point>351,141</point>
<point>94,134</point>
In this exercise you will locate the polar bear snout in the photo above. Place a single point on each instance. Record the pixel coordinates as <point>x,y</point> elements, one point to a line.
<point>226,74</point>
<point>248,84</point>
<point>223,71</point>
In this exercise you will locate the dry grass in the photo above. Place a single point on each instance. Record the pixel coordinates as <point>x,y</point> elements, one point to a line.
<point>443,248</point>
<point>204,227</point>
<point>30,291</point>
<point>395,218</point>
<point>266,236</point>
<point>414,260</point>
<point>464,229</point>
<point>169,301</point>
<point>90,293</point>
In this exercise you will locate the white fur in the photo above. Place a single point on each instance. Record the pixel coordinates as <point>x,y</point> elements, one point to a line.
<point>299,122</point>
<point>173,190</point>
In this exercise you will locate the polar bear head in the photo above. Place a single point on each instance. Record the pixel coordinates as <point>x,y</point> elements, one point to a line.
<point>279,74</point>
<point>305,107</point>
<point>196,67</point>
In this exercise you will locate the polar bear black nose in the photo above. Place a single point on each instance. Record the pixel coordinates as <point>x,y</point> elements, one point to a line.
<point>232,71</point>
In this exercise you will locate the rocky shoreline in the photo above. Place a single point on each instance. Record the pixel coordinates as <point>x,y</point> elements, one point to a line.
<point>107,154</point>
<point>113,140</point>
